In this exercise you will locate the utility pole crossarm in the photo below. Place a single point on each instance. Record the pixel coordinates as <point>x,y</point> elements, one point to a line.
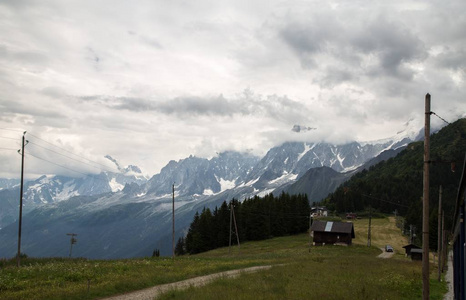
<point>72,241</point>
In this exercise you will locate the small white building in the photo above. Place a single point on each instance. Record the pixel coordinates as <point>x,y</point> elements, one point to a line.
<point>319,211</point>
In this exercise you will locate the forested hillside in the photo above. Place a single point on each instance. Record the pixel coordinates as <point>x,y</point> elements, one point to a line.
<point>397,184</point>
<point>256,218</point>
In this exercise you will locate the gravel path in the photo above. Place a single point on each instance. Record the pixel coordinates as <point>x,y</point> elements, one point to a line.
<point>385,254</point>
<point>449,278</point>
<point>151,293</point>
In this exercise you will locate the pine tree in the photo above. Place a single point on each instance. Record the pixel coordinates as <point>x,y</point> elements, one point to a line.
<point>180,248</point>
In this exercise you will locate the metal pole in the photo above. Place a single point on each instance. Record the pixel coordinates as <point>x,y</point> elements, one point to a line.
<point>369,230</point>
<point>425,207</point>
<point>72,241</point>
<point>173,217</point>
<point>310,223</point>
<point>236,230</point>
<point>231,222</point>
<point>18,255</point>
<point>439,236</point>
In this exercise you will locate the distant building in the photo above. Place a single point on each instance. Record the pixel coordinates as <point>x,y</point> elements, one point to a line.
<point>334,233</point>
<point>416,254</point>
<point>351,216</point>
<point>410,247</point>
<point>319,212</point>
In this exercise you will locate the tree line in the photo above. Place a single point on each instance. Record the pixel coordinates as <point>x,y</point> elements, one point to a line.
<point>257,218</point>
<point>397,184</point>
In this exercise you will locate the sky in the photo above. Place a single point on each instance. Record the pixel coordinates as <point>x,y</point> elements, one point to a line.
<point>152,81</point>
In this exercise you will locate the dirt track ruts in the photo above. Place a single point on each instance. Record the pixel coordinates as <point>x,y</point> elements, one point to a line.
<point>152,292</point>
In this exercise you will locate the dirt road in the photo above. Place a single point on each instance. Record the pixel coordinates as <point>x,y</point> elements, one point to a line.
<point>385,254</point>
<point>151,293</point>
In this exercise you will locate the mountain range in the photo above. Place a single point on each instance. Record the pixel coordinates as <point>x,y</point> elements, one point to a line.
<point>125,214</point>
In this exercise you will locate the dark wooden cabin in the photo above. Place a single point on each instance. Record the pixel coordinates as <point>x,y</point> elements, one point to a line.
<point>416,254</point>
<point>410,247</point>
<point>327,232</point>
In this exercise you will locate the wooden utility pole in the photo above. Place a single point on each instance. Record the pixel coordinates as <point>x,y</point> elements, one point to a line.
<point>236,229</point>
<point>425,201</point>
<point>444,241</point>
<point>310,224</point>
<point>439,236</point>
<point>173,218</point>
<point>72,241</point>
<point>369,230</point>
<point>231,222</point>
<point>18,255</point>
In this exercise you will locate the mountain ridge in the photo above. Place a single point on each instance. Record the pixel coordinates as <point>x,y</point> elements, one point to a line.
<point>140,213</point>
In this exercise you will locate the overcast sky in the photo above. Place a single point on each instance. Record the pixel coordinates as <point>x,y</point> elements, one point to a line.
<point>151,81</point>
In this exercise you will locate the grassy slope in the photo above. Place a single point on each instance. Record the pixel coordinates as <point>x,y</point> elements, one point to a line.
<point>383,232</point>
<point>327,272</point>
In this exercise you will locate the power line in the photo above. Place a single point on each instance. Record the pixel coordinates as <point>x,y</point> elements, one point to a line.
<point>441,118</point>
<point>9,129</point>
<point>8,149</point>
<point>8,138</point>
<point>56,164</point>
<point>391,202</point>
<point>72,170</point>
<point>68,151</point>
<point>65,155</point>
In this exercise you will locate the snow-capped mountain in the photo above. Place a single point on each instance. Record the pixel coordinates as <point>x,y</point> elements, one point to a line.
<point>199,176</point>
<point>49,189</point>
<point>8,183</point>
<point>123,215</point>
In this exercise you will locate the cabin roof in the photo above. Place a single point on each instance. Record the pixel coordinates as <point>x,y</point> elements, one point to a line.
<point>334,227</point>
<point>412,246</point>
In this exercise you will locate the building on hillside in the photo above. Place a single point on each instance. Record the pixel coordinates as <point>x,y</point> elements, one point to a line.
<point>410,247</point>
<point>416,254</point>
<point>351,216</point>
<point>334,233</point>
<point>319,211</point>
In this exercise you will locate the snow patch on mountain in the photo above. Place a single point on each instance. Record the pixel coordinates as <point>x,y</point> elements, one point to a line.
<point>208,192</point>
<point>115,186</point>
<point>307,148</point>
<point>226,184</point>
<point>286,177</point>
<point>265,192</point>
<point>68,191</point>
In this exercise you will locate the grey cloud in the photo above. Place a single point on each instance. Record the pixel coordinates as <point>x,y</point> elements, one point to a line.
<point>392,43</point>
<point>148,40</point>
<point>348,44</point>
<point>300,128</point>
<point>273,106</point>
<point>29,57</point>
<point>334,76</point>
<point>452,59</point>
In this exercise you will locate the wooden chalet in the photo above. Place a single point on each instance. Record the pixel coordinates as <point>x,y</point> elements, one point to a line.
<point>334,233</point>
<point>416,254</point>
<point>410,247</point>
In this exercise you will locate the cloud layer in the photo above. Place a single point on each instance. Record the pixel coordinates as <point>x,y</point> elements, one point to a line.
<point>162,80</point>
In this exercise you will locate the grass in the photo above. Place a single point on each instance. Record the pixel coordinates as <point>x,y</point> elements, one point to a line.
<point>383,232</point>
<point>330,272</point>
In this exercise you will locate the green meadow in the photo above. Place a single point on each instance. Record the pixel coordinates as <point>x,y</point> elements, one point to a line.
<point>329,272</point>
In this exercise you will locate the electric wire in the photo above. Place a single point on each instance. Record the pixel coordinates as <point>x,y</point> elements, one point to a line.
<point>32,143</point>
<point>29,154</point>
<point>441,118</point>
<point>391,202</point>
<point>67,150</point>
<point>9,129</point>
<point>67,168</point>
<point>8,149</point>
<point>8,138</point>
